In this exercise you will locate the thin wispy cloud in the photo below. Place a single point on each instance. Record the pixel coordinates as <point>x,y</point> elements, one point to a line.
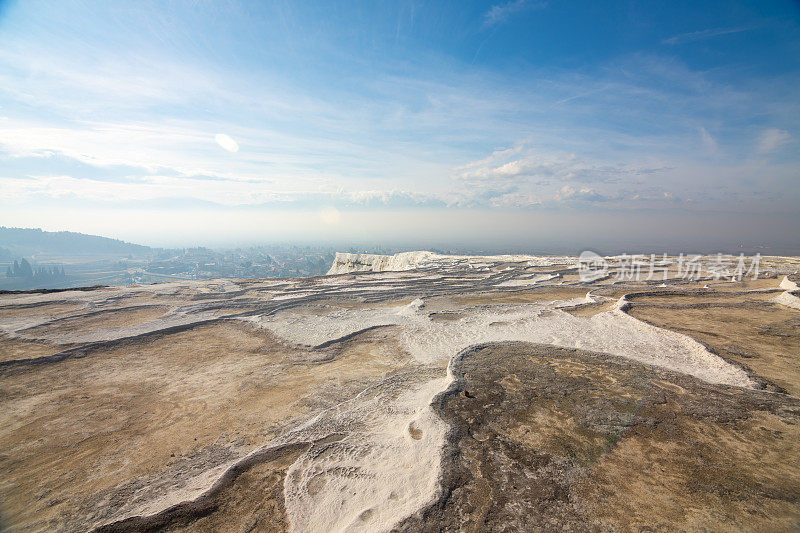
<point>526,163</point>
<point>772,139</point>
<point>709,142</point>
<point>411,120</point>
<point>500,13</point>
<point>577,97</point>
<point>702,35</point>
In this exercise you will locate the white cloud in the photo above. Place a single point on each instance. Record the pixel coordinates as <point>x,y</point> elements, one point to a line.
<point>520,163</point>
<point>517,200</point>
<point>148,188</point>
<point>226,142</point>
<point>180,147</point>
<point>772,139</point>
<point>399,134</point>
<point>525,178</point>
<point>582,194</point>
<point>191,190</point>
<point>148,146</point>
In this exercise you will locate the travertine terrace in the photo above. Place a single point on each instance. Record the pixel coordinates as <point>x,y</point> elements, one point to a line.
<point>415,392</point>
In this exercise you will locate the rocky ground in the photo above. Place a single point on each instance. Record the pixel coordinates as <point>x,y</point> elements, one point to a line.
<point>474,394</point>
<point>562,439</point>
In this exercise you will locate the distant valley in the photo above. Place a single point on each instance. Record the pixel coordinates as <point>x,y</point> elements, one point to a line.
<point>37,259</point>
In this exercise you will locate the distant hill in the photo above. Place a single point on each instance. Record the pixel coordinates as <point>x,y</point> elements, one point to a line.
<point>28,241</point>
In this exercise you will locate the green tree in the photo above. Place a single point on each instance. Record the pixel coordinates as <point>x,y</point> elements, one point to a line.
<point>26,271</point>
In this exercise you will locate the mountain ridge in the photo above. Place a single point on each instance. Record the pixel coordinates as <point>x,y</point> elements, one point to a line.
<point>27,241</point>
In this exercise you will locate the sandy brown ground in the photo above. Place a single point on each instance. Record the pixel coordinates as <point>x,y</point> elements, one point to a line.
<point>544,438</point>
<point>544,294</point>
<point>100,319</point>
<point>15,348</point>
<point>51,309</point>
<point>97,429</point>
<point>591,309</point>
<point>250,500</point>
<point>762,336</point>
<point>554,439</point>
<point>706,298</point>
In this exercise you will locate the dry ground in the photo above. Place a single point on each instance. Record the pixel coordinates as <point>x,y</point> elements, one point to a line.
<point>153,431</point>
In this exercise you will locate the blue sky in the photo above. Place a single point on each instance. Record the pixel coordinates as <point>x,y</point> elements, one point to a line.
<point>400,121</point>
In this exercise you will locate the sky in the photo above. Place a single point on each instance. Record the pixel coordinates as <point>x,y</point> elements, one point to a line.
<point>520,124</point>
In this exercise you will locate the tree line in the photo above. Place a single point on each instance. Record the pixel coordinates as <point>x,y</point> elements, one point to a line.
<point>23,269</point>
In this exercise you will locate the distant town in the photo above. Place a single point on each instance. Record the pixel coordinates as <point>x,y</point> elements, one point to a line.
<point>279,261</point>
<point>35,259</point>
